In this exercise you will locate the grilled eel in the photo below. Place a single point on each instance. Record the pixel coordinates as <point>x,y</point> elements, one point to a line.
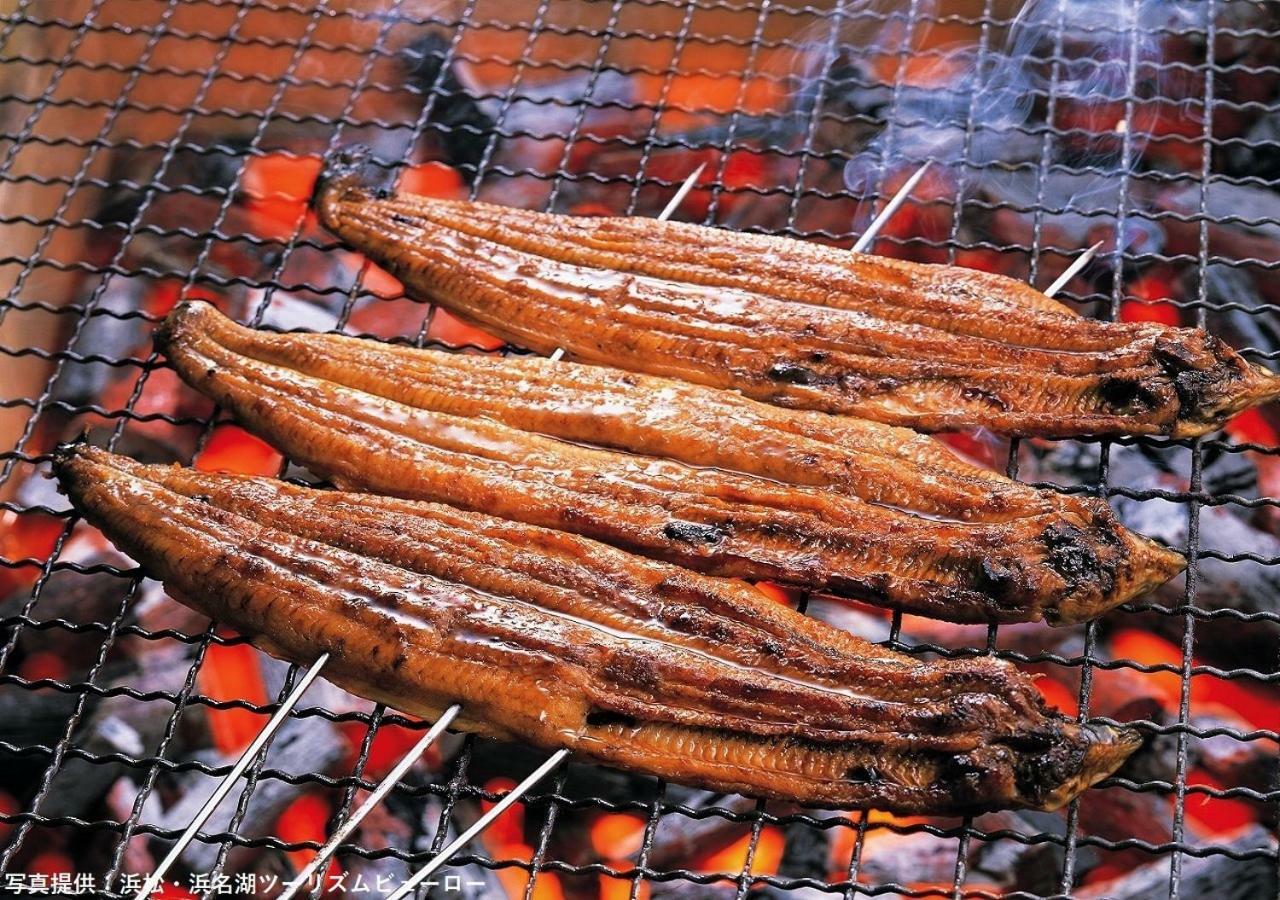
<point>384,419</point>
<point>794,323</point>
<point>559,641</point>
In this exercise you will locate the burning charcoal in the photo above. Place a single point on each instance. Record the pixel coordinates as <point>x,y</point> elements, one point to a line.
<point>854,106</point>
<point>497,759</point>
<point>805,850</point>
<point>29,718</point>
<point>117,724</point>
<point>679,837</point>
<point>918,856</point>
<point>1242,223</point>
<point>1244,586</point>
<point>462,127</point>
<point>300,746</point>
<point>1215,877</point>
<point>1030,638</point>
<point>1035,868</point>
<point>1084,209</point>
<point>1255,326</point>
<point>133,174</point>
<point>473,881</point>
<point>1248,764</point>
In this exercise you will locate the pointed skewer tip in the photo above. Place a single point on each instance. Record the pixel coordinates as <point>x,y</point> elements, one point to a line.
<point>1072,270</point>
<point>864,241</point>
<point>674,203</point>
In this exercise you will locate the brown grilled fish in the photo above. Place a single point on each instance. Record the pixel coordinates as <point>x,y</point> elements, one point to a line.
<point>559,641</point>
<point>368,418</point>
<point>795,323</point>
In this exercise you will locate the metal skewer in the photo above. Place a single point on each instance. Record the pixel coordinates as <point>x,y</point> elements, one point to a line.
<point>890,208</point>
<point>1070,272</point>
<point>375,797</point>
<point>221,791</point>
<point>480,824</point>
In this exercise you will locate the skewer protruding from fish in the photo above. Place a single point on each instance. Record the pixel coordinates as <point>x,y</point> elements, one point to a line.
<point>354,412</point>
<point>798,324</point>
<point>558,641</point>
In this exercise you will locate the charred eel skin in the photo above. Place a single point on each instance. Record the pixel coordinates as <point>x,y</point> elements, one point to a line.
<point>452,429</point>
<point>559,641</point>
<point>796,324</point>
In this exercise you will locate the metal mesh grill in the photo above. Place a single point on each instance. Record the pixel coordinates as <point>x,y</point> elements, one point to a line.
<point>192,92</point>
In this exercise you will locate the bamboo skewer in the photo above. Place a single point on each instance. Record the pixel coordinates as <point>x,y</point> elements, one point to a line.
<point>1070,272</point>
<point>890,208</point>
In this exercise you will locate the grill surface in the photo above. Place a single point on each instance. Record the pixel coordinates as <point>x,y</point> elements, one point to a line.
<point>59,141</point>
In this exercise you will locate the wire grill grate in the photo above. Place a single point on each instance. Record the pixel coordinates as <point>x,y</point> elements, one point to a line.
<point>241,80</point>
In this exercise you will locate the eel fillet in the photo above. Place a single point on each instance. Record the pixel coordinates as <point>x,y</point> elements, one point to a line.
<point>559,641</point>
<point>452,429</point>
<point>794,323</point>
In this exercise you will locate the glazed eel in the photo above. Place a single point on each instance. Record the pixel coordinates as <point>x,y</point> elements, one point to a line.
<point>795,323</point>
<point>558,641</point>
<point>713,482</point>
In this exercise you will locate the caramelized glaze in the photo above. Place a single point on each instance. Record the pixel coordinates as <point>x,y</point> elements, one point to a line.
<point>554,639</point>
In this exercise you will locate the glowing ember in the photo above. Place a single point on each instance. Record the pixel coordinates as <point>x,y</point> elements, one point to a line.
<point>389,745</point>
<point>29,537</point>
<point>451,331</point>
<point>306,819</point>
<point>617,835</point>
<point>232,449</point>
<point>232,672</point>
<point>733,858</point>
<point>277,187</point>
<point>1148,301</point>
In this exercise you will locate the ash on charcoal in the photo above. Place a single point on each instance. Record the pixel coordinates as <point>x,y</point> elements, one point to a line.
<point>39,491</point>
<point>474,882</point>
<point>458,122</point>
<point>1255,325</point>
<point>1242,585</point>
<point>116,724</point>
<point>287,312</point>
<point>1214,877</point>
<point>1257,153</point>
<point>112,331</point>
<point>301,746</point>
